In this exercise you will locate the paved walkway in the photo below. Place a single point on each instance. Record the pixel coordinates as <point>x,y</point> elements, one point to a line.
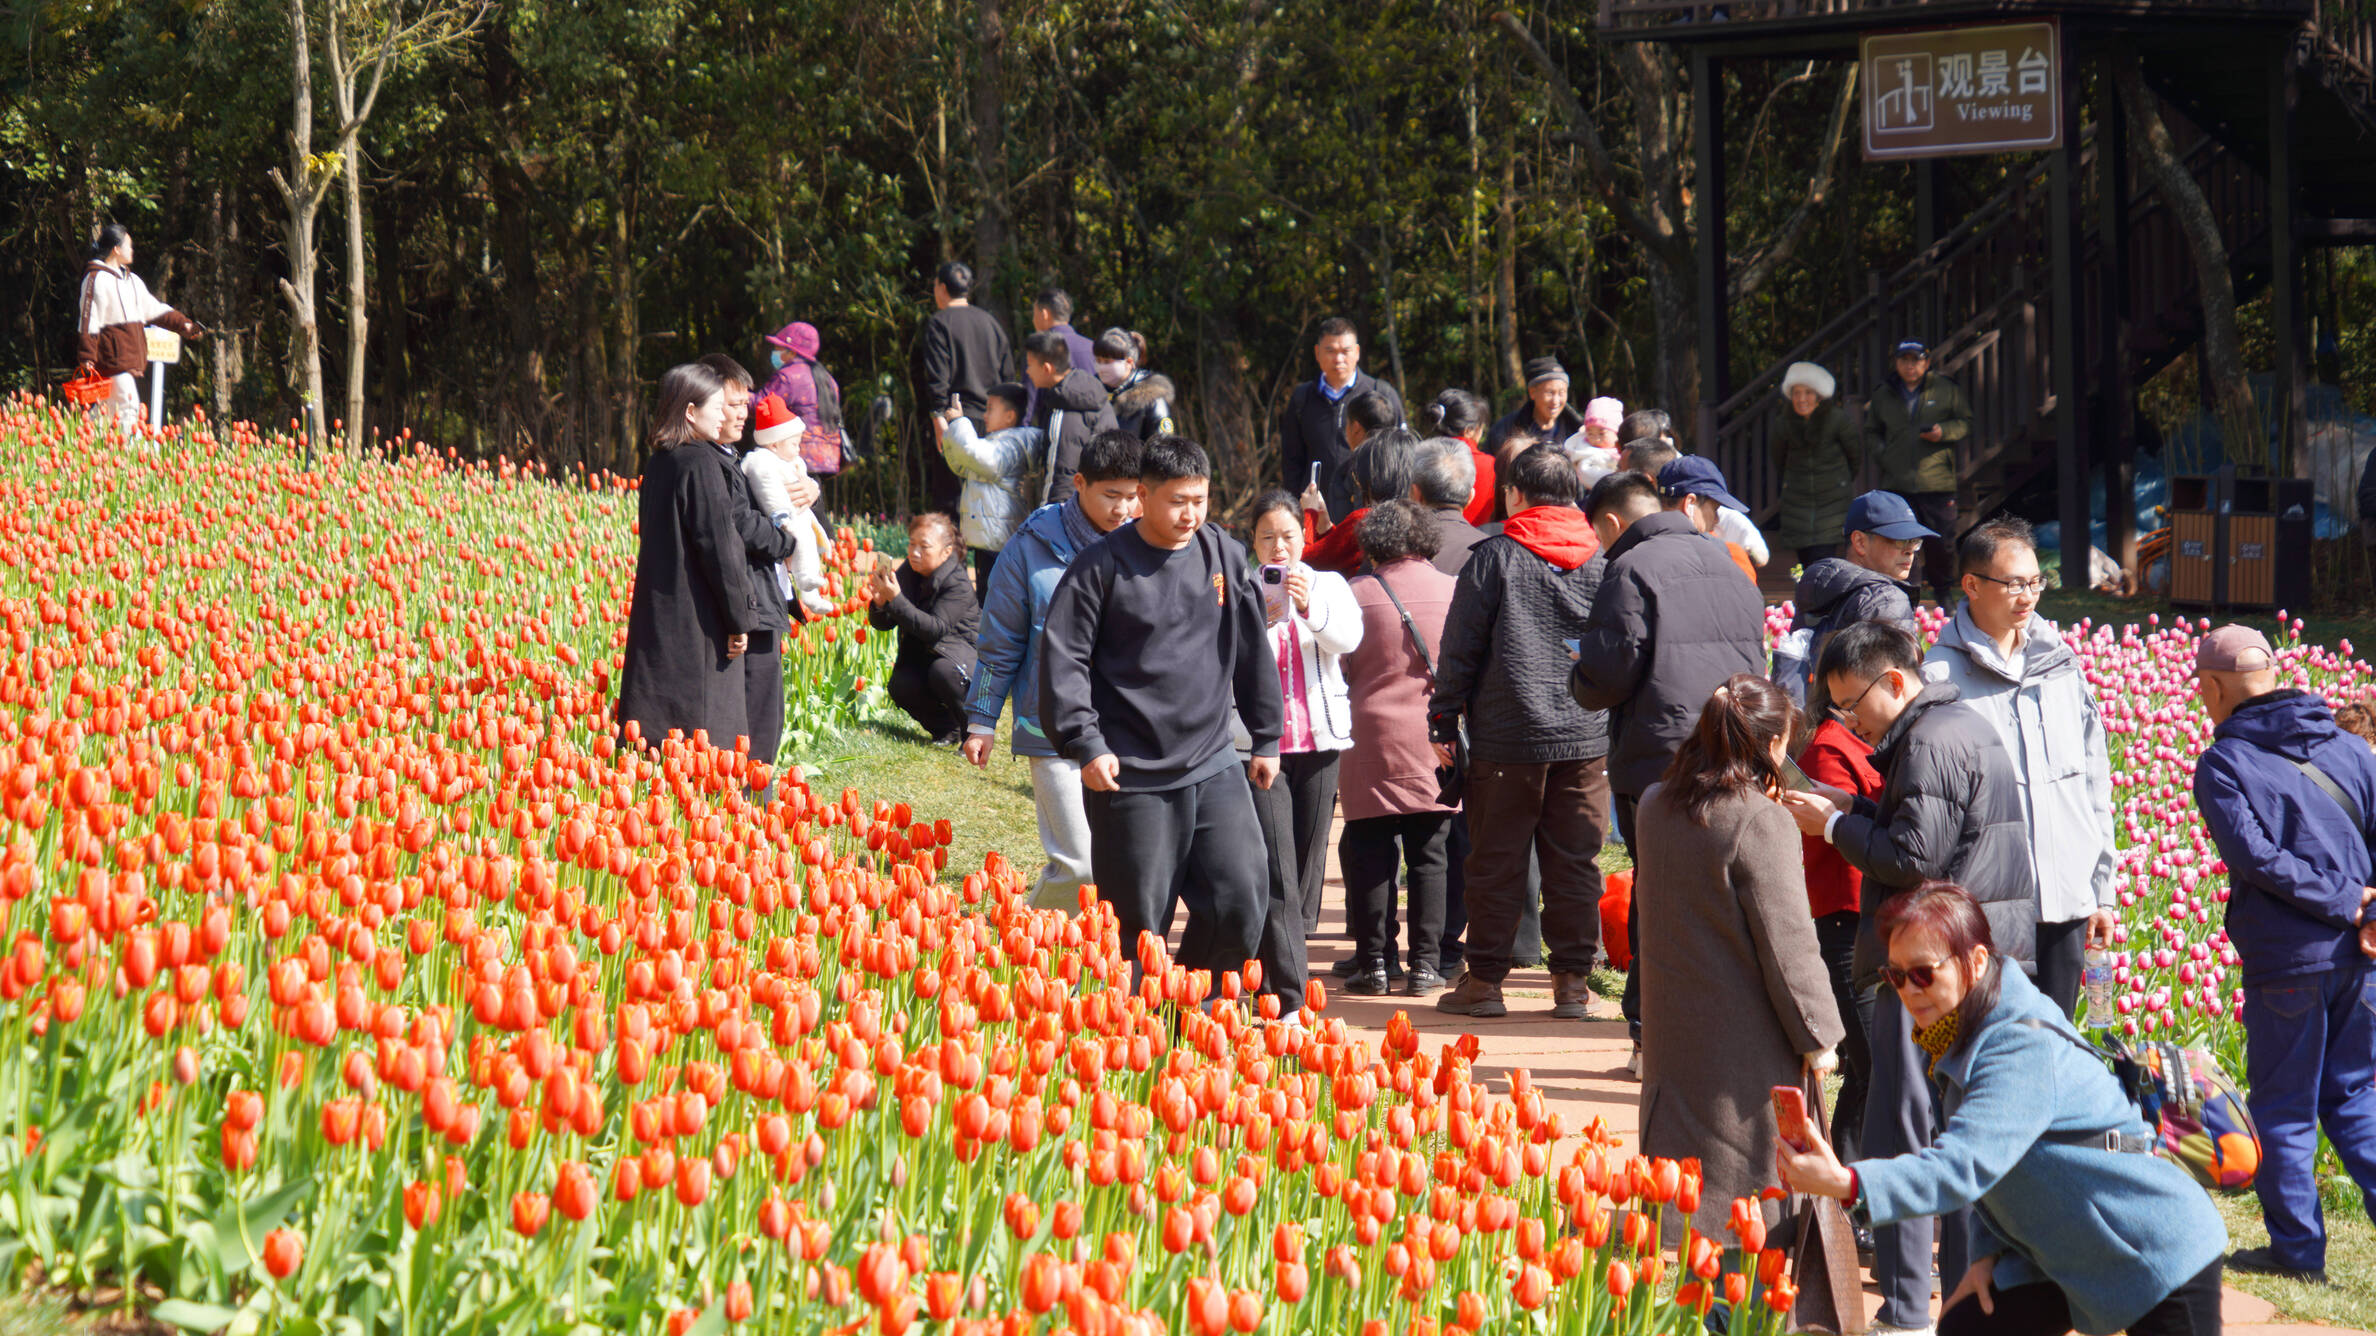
<point>1580,1068</point>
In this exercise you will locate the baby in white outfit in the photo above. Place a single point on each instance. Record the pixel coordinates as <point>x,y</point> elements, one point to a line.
<point>773,468</point>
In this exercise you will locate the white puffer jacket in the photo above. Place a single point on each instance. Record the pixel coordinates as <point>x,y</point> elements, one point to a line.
<point>1331,630</point>
<point>998,472</point>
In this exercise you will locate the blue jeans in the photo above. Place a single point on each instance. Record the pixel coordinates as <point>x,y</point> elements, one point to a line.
<point>2310,1059</point>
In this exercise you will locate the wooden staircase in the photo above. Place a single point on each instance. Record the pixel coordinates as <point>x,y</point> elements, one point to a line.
<point>1984,294</point>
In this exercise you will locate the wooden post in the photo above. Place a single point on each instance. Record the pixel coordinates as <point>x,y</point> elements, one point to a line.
<point>2116,421</point>
<point>1715,333</point>
<point>2062,210</point>
<point>2291,457</point>
<point>1926,235</point>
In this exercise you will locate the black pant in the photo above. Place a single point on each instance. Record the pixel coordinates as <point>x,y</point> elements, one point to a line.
<point>1936,510</point>
<point>1554,810</point>
<point>1900,1119</point>
<point>933,693</point>
<point>1808,556</point>
<point>1836,935</point>
<point>763,693</point>
<point>2042,1309</point>
<point>1284,925</point>
<point>2062,957</point>
<point>1629,1003</point>
<point>1529,948</point>
<point>1371,851</point>
<point>983,560</point>
<point>1309,781</point>
<point>1148,850</point>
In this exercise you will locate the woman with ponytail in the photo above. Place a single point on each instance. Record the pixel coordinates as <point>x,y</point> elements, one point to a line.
<point>1458,413</point>
<point>1735,1000</point>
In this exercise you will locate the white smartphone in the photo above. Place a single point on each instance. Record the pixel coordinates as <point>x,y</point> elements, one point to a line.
<point>1793,777</point>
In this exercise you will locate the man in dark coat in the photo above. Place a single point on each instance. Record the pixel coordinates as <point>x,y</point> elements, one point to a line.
<point>2299,916</point>
<point>1446,480</point>
<point>1912,425</point>
<point>764,548</point>
<point>961,351</point>
<point>1950,810</point>
<point>1312,430</point>
<point>1867,583</point>
<point>1544,418</point>
<point>1071,407</point>
<point>692,611</point>
<point>929,600</point>
<point>1535,774</point>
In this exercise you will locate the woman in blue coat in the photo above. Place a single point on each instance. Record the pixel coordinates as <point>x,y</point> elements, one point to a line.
<point>2075,1229</point>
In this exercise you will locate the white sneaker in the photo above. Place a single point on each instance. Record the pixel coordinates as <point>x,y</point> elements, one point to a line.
<point>1884,1329</point>
<point>1633,1065</point>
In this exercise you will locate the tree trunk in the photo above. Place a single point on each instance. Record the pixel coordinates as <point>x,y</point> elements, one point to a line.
<point>1674,364</point>
<point>226,345</point>
<point>395,355</point>
<point>622,340</point>
<point>2222,358</point>
<point>989,107</point>
<point>302,194</point>
<point>1505,274</point>
<point>358,320</point>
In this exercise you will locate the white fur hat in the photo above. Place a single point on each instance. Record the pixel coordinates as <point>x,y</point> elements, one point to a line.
<point>1810,375</point>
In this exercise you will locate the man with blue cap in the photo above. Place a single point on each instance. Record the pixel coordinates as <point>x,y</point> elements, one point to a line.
<point>1672,620</point>
<point>1868,582</point>
<point>1912,425</point>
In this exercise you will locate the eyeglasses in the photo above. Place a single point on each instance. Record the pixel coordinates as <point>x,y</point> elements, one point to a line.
<point>1917,977</point>
<point>1849,710</point>
<point>2037,584</point>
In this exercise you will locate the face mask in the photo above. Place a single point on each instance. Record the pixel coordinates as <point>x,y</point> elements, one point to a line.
<point>1112,374</point>
<point>776,359</point>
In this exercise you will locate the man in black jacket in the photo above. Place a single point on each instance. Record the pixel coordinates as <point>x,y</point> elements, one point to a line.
<point>962,351</point>
<point>929,601</point>
<point>1068,405</point>
<point>1535,772</point>
<point>1866,583</point>
<point>765,546</point>
<point>1950,810</point>
<point>1544,417</point>
<point>1151,635</point>
<point>1312,430</point>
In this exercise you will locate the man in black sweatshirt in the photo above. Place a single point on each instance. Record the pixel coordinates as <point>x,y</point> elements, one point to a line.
<point>960,353</point>
<point>1150,635</point>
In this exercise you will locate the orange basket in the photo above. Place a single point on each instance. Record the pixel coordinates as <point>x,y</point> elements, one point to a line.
<point>88,388</point>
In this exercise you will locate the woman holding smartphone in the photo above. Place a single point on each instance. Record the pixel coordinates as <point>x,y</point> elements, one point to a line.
<point>2080,1226</point>
<point>1314,622</point>
<point>1735,1000</point>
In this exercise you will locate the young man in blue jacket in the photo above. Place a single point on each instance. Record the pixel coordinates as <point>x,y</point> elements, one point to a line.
<point>2287,796</point>
<point>1105,494</point>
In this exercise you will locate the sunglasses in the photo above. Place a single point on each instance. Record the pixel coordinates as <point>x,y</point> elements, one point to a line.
<point>1917,977</point>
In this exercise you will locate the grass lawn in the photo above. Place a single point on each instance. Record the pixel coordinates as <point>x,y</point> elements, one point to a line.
<point>2348,1299</point>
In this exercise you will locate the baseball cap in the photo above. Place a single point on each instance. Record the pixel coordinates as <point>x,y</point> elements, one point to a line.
<point>1696,475</point>
<point>1914,346</point>
<point>1886,514</point>
<point>2234,649</point>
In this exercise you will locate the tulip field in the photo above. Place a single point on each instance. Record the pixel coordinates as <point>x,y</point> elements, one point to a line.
<point>359,979</point>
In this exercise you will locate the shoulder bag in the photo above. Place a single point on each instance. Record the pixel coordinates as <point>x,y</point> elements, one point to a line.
<point>1451,780</point>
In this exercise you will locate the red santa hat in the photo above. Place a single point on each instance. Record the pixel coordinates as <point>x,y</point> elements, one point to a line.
<point>772,422</point>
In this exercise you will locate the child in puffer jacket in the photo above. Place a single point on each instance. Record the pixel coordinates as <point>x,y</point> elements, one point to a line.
<point>1002,467</point>
<point>772,469</point>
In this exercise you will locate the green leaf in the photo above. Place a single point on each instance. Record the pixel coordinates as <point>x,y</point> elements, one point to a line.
<point>192,1316</point>
<point>262,1215</point>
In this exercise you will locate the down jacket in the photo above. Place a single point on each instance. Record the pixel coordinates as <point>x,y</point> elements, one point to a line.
<point>1672,620</point>
<point>1069,412</point>
<point>2046,713</point>
<point>1499,664</point>
<point>1893,433</point>
<point>1950,810</point>
<point>1143,406</point>
<point>1013,611</point>
<point>1325,635</point>
<point>1834,593</point>
<point>2295,864</point>
<point>998,473</point>
<point>115,309</point>
<point>1817,456</point>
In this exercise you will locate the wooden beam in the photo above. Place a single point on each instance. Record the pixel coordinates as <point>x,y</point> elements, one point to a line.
<point>2062,212</point>
<point>1708,208</point>
<point>2116,419</point>
<point>2289,404</point>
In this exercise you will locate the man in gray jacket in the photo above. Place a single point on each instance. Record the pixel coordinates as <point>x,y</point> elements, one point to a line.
<point>2012,666</point>
<point>1950,810</point>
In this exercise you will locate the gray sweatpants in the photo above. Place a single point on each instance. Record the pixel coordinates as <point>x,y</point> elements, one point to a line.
<point>1063,832</point>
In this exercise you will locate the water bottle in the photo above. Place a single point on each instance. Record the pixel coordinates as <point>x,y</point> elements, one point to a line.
<point>2096,974</point>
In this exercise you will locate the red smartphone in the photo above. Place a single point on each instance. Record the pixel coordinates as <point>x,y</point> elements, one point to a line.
<point>1790,1117</point>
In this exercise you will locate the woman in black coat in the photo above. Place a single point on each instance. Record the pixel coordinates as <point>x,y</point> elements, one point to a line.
<point>1142,400</point>
<point>692,612</point>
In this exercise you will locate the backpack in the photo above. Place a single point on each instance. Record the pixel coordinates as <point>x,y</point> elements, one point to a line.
<point>827,448</point>
<point>2196,1111</point>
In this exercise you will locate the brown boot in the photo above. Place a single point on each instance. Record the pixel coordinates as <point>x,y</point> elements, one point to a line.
<point>1472,996</point>
<point>1571,997</point>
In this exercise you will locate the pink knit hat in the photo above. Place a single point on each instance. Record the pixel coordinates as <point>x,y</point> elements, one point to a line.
<point>1604,412</point>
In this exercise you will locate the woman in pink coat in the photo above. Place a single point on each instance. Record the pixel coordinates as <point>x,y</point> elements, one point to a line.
<point>1387,786</point>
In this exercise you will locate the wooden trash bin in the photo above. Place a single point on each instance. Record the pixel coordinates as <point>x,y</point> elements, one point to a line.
<point>2198,547</point>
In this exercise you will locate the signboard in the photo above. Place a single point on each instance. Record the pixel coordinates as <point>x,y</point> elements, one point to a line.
<point>1990,89</point>
<point>163,345</point>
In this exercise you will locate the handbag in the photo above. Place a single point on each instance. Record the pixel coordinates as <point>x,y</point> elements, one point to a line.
<point>1451,780</point>
<point>1824,1265</point>
<point>88,386</point>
